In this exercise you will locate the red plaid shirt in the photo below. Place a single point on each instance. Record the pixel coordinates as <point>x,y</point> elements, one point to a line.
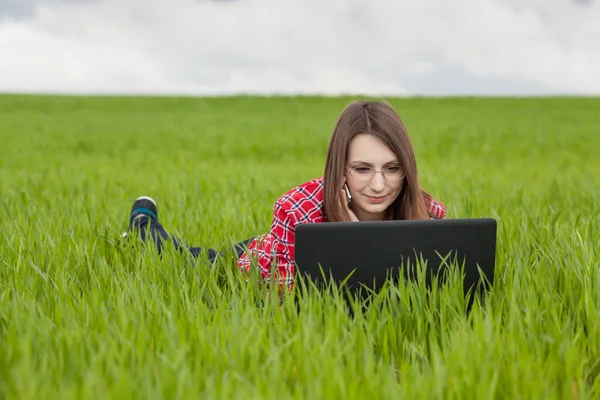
<point>303,204</point>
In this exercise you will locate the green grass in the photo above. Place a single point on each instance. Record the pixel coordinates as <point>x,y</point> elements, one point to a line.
<point>85,316</point>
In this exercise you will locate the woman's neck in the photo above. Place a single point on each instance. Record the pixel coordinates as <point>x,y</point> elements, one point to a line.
<point>363,216</point>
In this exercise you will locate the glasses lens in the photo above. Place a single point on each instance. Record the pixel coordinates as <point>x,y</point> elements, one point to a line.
<point>394,174</point>
<point>365,173</point>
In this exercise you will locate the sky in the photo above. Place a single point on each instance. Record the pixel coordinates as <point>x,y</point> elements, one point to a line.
<point>328,47</point>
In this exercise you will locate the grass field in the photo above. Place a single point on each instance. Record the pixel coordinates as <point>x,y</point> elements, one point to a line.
<point>83,315</point>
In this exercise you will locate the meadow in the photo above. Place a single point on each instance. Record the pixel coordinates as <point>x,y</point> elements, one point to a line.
<point>84,314</point>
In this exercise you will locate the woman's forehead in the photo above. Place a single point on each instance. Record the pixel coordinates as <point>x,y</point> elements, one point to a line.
<point>368,149</point>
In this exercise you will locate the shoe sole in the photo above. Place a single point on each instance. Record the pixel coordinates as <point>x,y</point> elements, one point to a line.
<point>146,198</point>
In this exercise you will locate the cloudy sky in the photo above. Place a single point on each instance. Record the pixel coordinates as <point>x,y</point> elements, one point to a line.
<point>379,47</point>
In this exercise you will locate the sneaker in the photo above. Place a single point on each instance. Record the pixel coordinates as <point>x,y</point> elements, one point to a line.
<point>143,207</point>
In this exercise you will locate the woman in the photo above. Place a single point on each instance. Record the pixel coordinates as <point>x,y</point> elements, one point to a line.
<point>370,174</point>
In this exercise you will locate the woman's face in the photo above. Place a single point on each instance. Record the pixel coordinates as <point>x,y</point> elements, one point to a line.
<point>372,196</point>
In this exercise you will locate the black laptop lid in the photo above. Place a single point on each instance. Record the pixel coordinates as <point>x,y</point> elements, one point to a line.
<point>371,251</point>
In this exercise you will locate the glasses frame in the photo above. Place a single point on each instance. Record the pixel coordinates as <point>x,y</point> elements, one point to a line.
<point>348,169</point>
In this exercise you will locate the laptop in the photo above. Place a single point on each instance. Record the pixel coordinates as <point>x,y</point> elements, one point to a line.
<point>367,253</point>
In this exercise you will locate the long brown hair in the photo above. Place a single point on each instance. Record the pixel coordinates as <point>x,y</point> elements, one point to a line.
<point>380,120</point>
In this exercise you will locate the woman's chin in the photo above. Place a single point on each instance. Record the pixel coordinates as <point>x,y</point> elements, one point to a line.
<point>374,210</point>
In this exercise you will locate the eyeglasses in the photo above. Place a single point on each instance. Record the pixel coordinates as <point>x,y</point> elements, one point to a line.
<point>367,173</point>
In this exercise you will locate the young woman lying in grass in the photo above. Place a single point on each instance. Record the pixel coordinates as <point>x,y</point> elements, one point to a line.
<point>370,174</point>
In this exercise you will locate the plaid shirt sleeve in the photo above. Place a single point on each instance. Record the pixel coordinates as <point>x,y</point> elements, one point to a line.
<point>283,234</point>
<point>302,204</point>
<point>435,209</point>
<point>276,247</point>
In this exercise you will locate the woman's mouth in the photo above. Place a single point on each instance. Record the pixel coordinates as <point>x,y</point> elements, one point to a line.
<point>376,200</point>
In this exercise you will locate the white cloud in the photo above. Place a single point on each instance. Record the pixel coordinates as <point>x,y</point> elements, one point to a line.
<point>304,46</point>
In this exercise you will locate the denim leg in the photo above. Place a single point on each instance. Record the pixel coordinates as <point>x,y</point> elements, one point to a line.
<point>240,247</point>
<point>159,235</point>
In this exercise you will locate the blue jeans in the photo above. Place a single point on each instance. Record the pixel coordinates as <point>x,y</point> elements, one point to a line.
<point>159,235</point>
